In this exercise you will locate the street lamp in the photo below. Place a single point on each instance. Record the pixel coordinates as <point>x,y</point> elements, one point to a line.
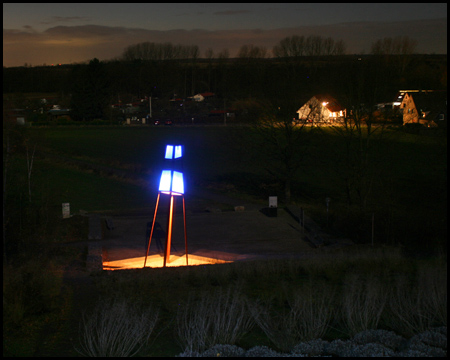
<point>323,109</point>
<point>171,183</point>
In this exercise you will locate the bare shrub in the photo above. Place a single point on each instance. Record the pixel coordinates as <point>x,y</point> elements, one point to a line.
<point>30,289</point>
<point>415,307</point>
<point>363,302</point>
<point>215,318</point>
<point>116,328</point>
<point>306,319</point>
<point>433,287</point>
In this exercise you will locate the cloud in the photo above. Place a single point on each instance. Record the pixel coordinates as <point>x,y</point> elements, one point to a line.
<point>65,19</point>
<point>67,44</point>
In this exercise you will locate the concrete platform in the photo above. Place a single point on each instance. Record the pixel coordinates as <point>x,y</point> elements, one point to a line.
<point>213,237</point>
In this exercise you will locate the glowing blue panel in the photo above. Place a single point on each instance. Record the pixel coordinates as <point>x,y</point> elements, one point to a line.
<point>177,183</point>
<point>169,152</point>
<point>166,180</point>
<point>178,151</point>
<point>171,182</point>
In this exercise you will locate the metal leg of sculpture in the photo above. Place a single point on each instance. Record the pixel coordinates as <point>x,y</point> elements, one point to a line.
<point>153,226</point>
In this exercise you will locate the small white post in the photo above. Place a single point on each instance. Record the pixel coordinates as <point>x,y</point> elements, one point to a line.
<point>65,210</point>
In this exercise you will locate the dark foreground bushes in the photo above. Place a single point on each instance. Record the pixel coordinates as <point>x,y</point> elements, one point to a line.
<point>294,306</point>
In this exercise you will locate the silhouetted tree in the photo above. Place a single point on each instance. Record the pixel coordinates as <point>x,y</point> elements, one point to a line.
<point>252,52</point>
<point>90,91</point>
<point>284,141</point>
<point>400,47</point>
<point>224,54</point>
<point>158,51</point>
<point>296,46</point>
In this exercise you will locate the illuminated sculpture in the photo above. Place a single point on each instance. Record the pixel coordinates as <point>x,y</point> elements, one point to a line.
<point>171,183</point>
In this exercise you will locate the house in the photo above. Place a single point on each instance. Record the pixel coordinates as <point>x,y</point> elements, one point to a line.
<point>397,99</point>
<point>56,113</point>
<point>229,113</point>
<point>16,116</point>
<point>202,96</point>
<point>428,108</point>
<point>322,109</point>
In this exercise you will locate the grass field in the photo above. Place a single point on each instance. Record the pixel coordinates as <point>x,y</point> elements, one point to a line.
<point>408,172</point>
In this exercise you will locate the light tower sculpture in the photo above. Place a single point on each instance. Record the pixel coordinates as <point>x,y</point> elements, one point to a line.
<point>172,184</point>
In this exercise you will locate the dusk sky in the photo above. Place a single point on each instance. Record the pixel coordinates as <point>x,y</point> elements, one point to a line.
<point>39,34</point>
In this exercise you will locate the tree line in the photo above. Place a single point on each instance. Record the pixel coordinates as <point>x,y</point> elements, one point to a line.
<point>290,46</point>
<point>164,51</point>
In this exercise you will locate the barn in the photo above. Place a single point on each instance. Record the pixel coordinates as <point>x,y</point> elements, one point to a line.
<point>321,110</point>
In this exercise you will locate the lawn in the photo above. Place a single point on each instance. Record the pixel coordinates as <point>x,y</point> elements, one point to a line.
<point>408,172</point>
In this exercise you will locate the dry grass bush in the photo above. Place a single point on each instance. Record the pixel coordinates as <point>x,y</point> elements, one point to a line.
<point>374,289</point>
<point>362,303</point>
<point>307,317</point>
<point>218,317</point>
<point>33,288</point>
<point>421,304</point>
<point>116,327</point>
<point>433,284</point>
<point>335,264</point>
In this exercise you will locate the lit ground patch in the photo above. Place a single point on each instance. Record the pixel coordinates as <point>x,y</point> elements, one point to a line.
<point>212,238</point>
<point>157,260</point>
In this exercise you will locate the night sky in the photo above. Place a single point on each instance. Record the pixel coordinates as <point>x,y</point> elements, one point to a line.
<point>39,34</point>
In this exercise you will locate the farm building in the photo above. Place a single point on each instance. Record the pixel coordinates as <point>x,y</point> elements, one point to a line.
<point>321,109</point>
<point>428,108</point>
<point>56,113</point>
<point>202,96</point>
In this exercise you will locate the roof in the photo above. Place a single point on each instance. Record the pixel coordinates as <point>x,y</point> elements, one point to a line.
<point>59,111</point>
<point>206,94</point>
<point>331,103</point>
<point>221,111</point>
<point>431,103</point>
<point>400,94</point>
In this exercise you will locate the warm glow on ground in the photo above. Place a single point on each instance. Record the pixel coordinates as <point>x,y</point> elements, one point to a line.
<point>156,261</point>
